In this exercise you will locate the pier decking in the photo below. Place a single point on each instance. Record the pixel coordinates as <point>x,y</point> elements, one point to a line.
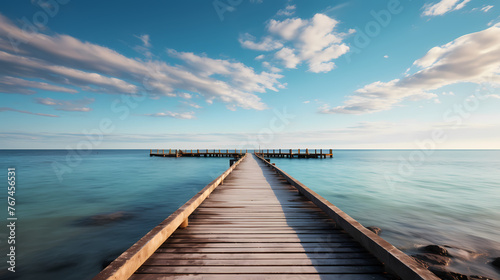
<point>257,222</point>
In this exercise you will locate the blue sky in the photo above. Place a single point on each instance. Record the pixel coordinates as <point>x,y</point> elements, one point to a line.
<point>239,74</point>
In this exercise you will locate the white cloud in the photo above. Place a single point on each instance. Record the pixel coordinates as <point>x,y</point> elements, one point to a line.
<point>494,96</point>
<point>289,10</point>
<point>175,115</point>
<point>260,57</point>
<point>242,80</point>
<point>473,58</point>
<point>287,28</point>
<point>290,60</point>
<point>486,8</point>
<point>64,63</point>
<point>443,6</point>
<point>267,43</point>
<point>312,41</point>
<point>194,105</point>
<point>67,105</point>
<point>145,40</point>
<point>270,67</point>
<point>5,109</point>
<point>386,56</point>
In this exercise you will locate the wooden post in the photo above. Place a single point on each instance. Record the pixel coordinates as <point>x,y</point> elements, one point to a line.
<point>157,151</point>
<point>184,224</point>
<point>331,153</point>
<point>299,152</point>
<point>150,151</point>
<point>290,153</point>
<point>307,151</point>
<point>163,151</point>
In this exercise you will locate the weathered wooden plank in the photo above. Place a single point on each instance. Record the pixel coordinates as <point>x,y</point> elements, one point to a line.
<point>251,230</point>
<point>317,249</point>
<point>259,276</point>
<point>247,256</point>
<point>264,245</point>
<point>258,227</point>
<point>261,269</point>
<point>253,240</point>
<point>269,262</point>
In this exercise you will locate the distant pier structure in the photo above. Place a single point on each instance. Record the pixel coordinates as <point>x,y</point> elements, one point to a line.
<point>235,153</point>
<point>299,153</point>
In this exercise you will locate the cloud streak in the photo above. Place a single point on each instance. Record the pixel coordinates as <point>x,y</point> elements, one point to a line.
<point>175,115</point>
<point>443,6</point>
<point>7,109</point>
<point>67,105</point>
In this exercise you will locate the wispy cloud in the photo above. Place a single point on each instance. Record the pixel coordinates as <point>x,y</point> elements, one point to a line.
<point>64,63</point>
<point>289,10</point>
<point>175,115</point>
<point>6,109</point>
<point>443,6</point>
<point>486,8</point>
<point>145,40</point>
<point>313,41</point>
<point>266,44</point>
<point>473,58</point>
<point>79,105</point>
<point>20,86</point>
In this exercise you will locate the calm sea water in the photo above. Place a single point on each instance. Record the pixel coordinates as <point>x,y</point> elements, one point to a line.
<point>449,197</point>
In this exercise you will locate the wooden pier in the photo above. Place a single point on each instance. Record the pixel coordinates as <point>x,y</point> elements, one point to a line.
<point>257,222</point>
<point>268,153</point>
<point>288,153</point>
<point>197,153</point>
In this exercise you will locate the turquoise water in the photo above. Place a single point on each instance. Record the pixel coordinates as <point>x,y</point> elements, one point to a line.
<point>56,240</point>
<point>451,198</point>
<point>448,197</point>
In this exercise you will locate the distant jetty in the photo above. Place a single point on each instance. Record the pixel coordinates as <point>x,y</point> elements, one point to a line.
<point>267,153</point>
